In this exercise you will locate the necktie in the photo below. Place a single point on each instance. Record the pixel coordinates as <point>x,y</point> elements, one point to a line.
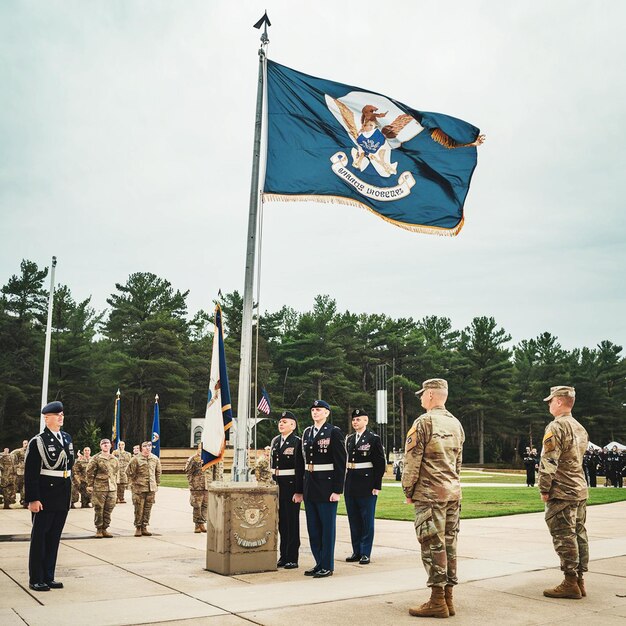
<point>356,439</point>
<point>315,432</point>
<point>60,437</point>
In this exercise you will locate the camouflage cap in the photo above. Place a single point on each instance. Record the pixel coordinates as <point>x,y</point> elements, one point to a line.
<point>433,383</point>
<point>561,390</point>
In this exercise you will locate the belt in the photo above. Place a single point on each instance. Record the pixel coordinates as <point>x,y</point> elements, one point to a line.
<point>284,472</point>
<point>57,473</point>
<point>360,465</point>
<point>317,467</point>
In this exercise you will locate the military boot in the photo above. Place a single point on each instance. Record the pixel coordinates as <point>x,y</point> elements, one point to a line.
<point>145,532</point>
<point>198,528</point>
<point>567,589</point>
<point>106,533</point>
<point>581,585</point>
<point>449,602</point>
<point>203,528</point>
<point>435,607</point>
<point>99,534</point>
<point>138,531</point>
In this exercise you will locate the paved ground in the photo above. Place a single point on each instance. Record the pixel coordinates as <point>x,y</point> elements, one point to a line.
<point>504,565</point>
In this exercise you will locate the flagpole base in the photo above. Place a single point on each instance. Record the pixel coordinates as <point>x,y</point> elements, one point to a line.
<point>242,528</point>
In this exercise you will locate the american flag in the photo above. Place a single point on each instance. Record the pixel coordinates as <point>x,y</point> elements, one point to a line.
<point>264,403</point>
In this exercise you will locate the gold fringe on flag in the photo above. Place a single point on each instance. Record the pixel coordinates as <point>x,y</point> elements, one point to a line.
<point>414,228</point>
<point>441,138</point>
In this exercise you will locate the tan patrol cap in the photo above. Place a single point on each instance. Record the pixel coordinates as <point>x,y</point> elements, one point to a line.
<point>433,383</point>
<point>561,390</point>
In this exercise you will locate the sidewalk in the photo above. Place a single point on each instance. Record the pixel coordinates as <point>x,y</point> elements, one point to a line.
<point>504,564</point>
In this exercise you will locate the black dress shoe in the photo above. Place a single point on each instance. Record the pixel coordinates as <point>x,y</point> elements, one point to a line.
<point>323,573</point>
<point>312,571</point>
<point>39,587</point>
<point>53,584</point>
<point>291,566</point>
<point>281,563</point>
<point>353,558</point>
<point>364,560</point>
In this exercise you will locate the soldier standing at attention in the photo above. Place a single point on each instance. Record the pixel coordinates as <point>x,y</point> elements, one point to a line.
<point>431,481</point>
<point>366,467</point>
<point>80,471</point>
<point>7,482</point>
<point>102,476</point>
<point>324,453</point>
<point>144,475</point>
<point>288,469</point>
<point>124,458</point>
<point>564,490</point>
<point>47,478</point>
<point>199,481</point>
<point>18,460</point>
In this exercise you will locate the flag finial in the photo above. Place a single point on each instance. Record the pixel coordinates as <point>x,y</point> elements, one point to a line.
<point>118,394</point>
<point>265,22</point>
<point>156,397</point>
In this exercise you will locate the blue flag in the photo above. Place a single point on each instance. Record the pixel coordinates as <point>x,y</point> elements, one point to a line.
<point>115,436</point>
<point>218,416</point>
<point>330,142</point>
<point>156,429</point>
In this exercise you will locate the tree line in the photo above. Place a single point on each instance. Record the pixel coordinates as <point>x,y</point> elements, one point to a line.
<point>148,342</point>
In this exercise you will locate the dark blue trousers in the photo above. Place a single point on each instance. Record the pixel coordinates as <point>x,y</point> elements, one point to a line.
<point>289,529</point>
<point>321,522</point>
<point>361,518</point>
<point>44,545</point>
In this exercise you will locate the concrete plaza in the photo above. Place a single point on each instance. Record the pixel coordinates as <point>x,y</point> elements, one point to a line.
<point>504,564</point>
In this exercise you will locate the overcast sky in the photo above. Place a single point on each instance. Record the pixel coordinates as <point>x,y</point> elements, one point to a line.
<point>126,133</point>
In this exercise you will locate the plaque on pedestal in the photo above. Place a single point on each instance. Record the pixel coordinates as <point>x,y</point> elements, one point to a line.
<point>242,528</point>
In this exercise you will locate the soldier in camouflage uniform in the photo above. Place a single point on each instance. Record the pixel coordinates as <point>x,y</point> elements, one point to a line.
<point>8,480</point>
<point>19,455</point>
<point>102,476</point>
<point>431,481</point>
<point>124,458</point>
<point>564,490</point>
<point>79,472</point>
<point>199,482</point>
<point>262,470</point>
<point>144,476</point>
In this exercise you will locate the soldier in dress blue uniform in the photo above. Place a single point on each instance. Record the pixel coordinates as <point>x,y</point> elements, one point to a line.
<point>288,469</point>
<point>366,467</point>
<point>324,453</point>
<point>48,484</point>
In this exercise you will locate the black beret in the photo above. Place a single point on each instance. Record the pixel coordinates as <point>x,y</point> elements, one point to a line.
<point>320,404</point>
<point>359,413</point>
<point>52,407</point>
<point>289,415</point>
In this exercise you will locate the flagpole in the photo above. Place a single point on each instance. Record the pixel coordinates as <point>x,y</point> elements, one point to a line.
<point>240,465</point>
<point>46,356</point>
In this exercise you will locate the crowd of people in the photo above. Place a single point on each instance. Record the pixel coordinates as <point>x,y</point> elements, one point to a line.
<point>607,463</point>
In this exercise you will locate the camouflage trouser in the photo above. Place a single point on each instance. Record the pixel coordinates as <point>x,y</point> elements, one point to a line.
<point>103,505</point>
<point>85,496</point>
<point>437,529</point>
<point>8,491</point>
<point>121,487</point>
<point>143,501</point>
<point>566,521</point>
<point>19,486</point>
<point>199,500</point>
<point>75,490</point>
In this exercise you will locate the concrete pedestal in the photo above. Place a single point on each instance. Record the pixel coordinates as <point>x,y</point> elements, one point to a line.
<point>242,528</point>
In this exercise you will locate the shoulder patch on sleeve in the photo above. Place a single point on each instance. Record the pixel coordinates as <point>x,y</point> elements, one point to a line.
<point>411,439</point>
<point>549,443</point>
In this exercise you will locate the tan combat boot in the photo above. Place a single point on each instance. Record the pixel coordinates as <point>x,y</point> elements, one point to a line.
<point>435,607</point>
<point>567,589</point>
<point>106,533</point>
<point>449,602</point>
<point>203,528</point>
<point>99,534</point>
<point>145,532</point>
<point>198,528</point>
<point>581,585</point>
<point>138,531</point>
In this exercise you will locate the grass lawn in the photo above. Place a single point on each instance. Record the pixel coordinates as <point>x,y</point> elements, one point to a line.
<point>477,501</point>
